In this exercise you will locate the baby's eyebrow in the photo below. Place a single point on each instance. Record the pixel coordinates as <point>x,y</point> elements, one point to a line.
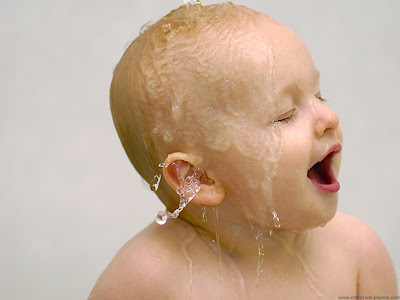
<point>291,89</point>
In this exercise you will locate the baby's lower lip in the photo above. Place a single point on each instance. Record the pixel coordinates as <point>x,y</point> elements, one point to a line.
<point>322,175</point>
<point>332,187</point>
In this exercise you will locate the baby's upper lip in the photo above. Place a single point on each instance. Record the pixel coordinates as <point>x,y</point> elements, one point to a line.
<point>333,150</point>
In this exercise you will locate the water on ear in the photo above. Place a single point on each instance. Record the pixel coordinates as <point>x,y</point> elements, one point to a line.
<point>189,178</point>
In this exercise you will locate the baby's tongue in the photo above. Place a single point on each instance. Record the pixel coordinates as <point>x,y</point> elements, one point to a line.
<point>318,172</point>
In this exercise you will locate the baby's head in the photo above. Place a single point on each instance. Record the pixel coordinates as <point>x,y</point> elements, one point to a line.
<point>234,93</point>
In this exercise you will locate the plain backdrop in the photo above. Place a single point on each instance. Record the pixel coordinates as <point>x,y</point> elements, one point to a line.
<point>69,196</point>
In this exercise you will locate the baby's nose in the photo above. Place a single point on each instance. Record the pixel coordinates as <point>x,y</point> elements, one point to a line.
<point>326,119</point>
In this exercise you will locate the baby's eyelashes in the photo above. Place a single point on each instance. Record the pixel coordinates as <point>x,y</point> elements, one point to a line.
<point>286,118</point>
<point>319,97</point>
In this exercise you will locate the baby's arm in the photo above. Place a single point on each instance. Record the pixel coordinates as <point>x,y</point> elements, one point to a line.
<point>376,276</point>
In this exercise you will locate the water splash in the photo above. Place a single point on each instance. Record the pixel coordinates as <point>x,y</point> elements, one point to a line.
<point>189,178</point>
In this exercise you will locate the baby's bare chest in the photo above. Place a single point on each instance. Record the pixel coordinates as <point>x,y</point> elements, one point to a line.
<point>328,281</point>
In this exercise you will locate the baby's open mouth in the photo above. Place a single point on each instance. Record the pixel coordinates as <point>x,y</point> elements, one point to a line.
<point>321,174</point>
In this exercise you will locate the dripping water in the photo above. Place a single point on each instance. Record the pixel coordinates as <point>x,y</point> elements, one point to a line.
<point>156,180</point>
<point>204,213</point>
<point>161,217</point>
<point>185,243</point>
<point>260,255</point>
<point>309,271</point>
<point>238,279</point>
<point>215,210</point>
<point>189,187</point>
<point>277,221</point>
<point>155,183</point>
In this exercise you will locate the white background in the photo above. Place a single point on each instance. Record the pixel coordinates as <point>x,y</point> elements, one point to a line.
<point>69,197</point>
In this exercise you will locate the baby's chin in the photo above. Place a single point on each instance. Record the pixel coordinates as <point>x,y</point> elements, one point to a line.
<point>292,220</point>
<point>304,223</point>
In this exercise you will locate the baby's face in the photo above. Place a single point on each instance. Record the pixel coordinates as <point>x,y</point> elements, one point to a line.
<point>278,132</point>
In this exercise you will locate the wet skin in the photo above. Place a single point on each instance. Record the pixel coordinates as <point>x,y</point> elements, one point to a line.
<point>275,136</point>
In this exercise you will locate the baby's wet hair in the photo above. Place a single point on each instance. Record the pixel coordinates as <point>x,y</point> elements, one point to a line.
<point>152,87</point>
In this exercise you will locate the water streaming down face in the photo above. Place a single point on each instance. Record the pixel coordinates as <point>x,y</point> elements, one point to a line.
<point>223,124</point>
<point>220,99</point>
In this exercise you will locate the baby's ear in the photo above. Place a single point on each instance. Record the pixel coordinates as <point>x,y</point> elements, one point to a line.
<point>179,165</point>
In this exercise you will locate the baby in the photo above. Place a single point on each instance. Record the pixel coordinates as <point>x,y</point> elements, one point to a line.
<point>225,103</point>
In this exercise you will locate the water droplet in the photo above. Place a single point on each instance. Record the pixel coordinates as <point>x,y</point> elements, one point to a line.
<point>162,165</point>
<point>161,218</point>
<point>166,28</point>
<point>197,5</point>
<point>146,26</point>
<point>203,213</point>
<point>155,183</point>
<point>277,222</point>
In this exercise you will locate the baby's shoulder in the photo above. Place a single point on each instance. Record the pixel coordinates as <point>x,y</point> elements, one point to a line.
<point>347,228</point>
<point>363,248</point>
<point>143,266</point>
<point>354,234</point>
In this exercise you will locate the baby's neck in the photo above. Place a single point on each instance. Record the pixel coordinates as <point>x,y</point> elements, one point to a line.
<point>250,243</point>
